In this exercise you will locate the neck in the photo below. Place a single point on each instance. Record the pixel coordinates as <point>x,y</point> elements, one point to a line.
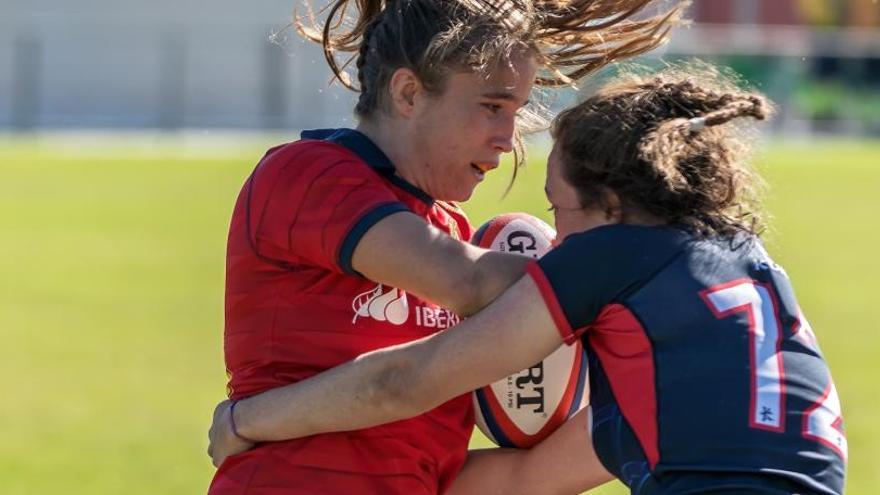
<point>636,216</point>
<point>395,143</point>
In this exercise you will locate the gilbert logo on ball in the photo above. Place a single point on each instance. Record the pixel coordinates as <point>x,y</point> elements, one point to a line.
<point>526,407</point>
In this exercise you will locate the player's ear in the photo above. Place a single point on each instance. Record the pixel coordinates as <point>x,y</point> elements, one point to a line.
<point>403,89</point>
<point>613,205</point>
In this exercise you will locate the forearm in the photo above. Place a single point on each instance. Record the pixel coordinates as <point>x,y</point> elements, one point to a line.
<point>408,379</point>
<point>525,472</point>
<point>490,471</point>
<point>563,464</point>
<point>354,395</point>
<point>508,472</point>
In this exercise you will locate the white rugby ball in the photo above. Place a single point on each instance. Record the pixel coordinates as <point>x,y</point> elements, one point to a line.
<point>526,407</point>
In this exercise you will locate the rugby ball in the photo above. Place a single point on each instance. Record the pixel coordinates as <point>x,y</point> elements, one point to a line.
<point>526,407</point>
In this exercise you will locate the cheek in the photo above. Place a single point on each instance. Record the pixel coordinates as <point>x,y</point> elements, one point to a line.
<point>573,222</point>
<point>452,135</point>
<point>468,122</point>
<point>563,226</point>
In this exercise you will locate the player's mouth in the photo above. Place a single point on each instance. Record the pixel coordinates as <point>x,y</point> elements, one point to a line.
<point>482,168</point>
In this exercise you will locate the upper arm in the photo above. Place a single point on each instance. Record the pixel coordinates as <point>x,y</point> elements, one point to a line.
<point>313,208</point>
<point>403,251</point>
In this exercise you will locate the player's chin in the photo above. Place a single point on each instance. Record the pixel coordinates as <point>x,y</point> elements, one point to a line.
<point>463,194</point>
<point>459,190</point>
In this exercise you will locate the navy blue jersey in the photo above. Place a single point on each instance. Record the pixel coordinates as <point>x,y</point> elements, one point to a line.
<point>704,374</point>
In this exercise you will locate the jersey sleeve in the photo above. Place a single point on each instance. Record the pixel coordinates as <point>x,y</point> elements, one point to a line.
<point>592,269</point>
<point>316,205</point>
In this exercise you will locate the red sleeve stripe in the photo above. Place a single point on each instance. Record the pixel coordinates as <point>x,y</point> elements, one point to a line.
<point>623,347</point>
<point>562,325</point>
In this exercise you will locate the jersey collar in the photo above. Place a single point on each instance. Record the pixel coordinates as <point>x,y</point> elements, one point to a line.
<point>358,143</point>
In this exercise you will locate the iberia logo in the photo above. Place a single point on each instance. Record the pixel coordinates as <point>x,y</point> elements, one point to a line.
<point>390,306</point>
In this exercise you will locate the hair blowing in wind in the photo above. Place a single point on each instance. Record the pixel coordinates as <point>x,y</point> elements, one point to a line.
<point>570,38</point>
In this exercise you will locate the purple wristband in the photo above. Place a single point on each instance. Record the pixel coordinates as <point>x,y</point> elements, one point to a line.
<point>232,422</point>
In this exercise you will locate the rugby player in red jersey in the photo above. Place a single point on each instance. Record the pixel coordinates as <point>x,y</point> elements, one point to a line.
<point>347,241</point>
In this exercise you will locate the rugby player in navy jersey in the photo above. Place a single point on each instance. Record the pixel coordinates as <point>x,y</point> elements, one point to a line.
<point>348,241</point>
<point>705,375</point>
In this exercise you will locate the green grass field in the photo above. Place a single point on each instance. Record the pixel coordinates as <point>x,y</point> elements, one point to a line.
<point>111,291</point>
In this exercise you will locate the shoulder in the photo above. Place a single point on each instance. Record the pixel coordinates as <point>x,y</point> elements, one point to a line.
<point>591,269</point>
<point>309,153</point>
<point>615,258</point>
<point>308,162</point>
<point>625,243</point>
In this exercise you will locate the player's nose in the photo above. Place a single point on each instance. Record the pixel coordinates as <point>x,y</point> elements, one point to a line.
<point>502,139</point>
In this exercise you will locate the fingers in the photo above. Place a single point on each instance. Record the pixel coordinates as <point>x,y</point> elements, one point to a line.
<point>211,440</point>
<point>222,443</point>
<point>217,418</point>
<point>220,409</point>
<point>210,443</point>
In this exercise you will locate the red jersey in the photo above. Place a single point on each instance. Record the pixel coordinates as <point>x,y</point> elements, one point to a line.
<point>295,307</point>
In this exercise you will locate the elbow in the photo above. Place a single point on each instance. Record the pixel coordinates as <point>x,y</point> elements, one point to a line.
<point>473,279</point>
<point>483,280</point>
<point>467,295</point>
<point>461,307</point>
<point>397,391</point>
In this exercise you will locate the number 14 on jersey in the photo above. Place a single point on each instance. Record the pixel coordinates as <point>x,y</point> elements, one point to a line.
<point>822,421</point>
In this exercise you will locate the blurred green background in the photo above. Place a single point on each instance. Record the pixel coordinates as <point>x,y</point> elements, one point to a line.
<point>111,276</point>
<point>112,243</point>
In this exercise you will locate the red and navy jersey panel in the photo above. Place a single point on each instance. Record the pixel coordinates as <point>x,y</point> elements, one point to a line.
<point>295,306</point>
<point>700,361</point>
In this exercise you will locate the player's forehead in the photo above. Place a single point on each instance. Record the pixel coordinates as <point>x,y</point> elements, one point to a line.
<point>516,72</point>
<point>511,80</point>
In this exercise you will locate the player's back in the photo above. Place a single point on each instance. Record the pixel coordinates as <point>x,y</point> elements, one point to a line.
<point>701,363</point>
